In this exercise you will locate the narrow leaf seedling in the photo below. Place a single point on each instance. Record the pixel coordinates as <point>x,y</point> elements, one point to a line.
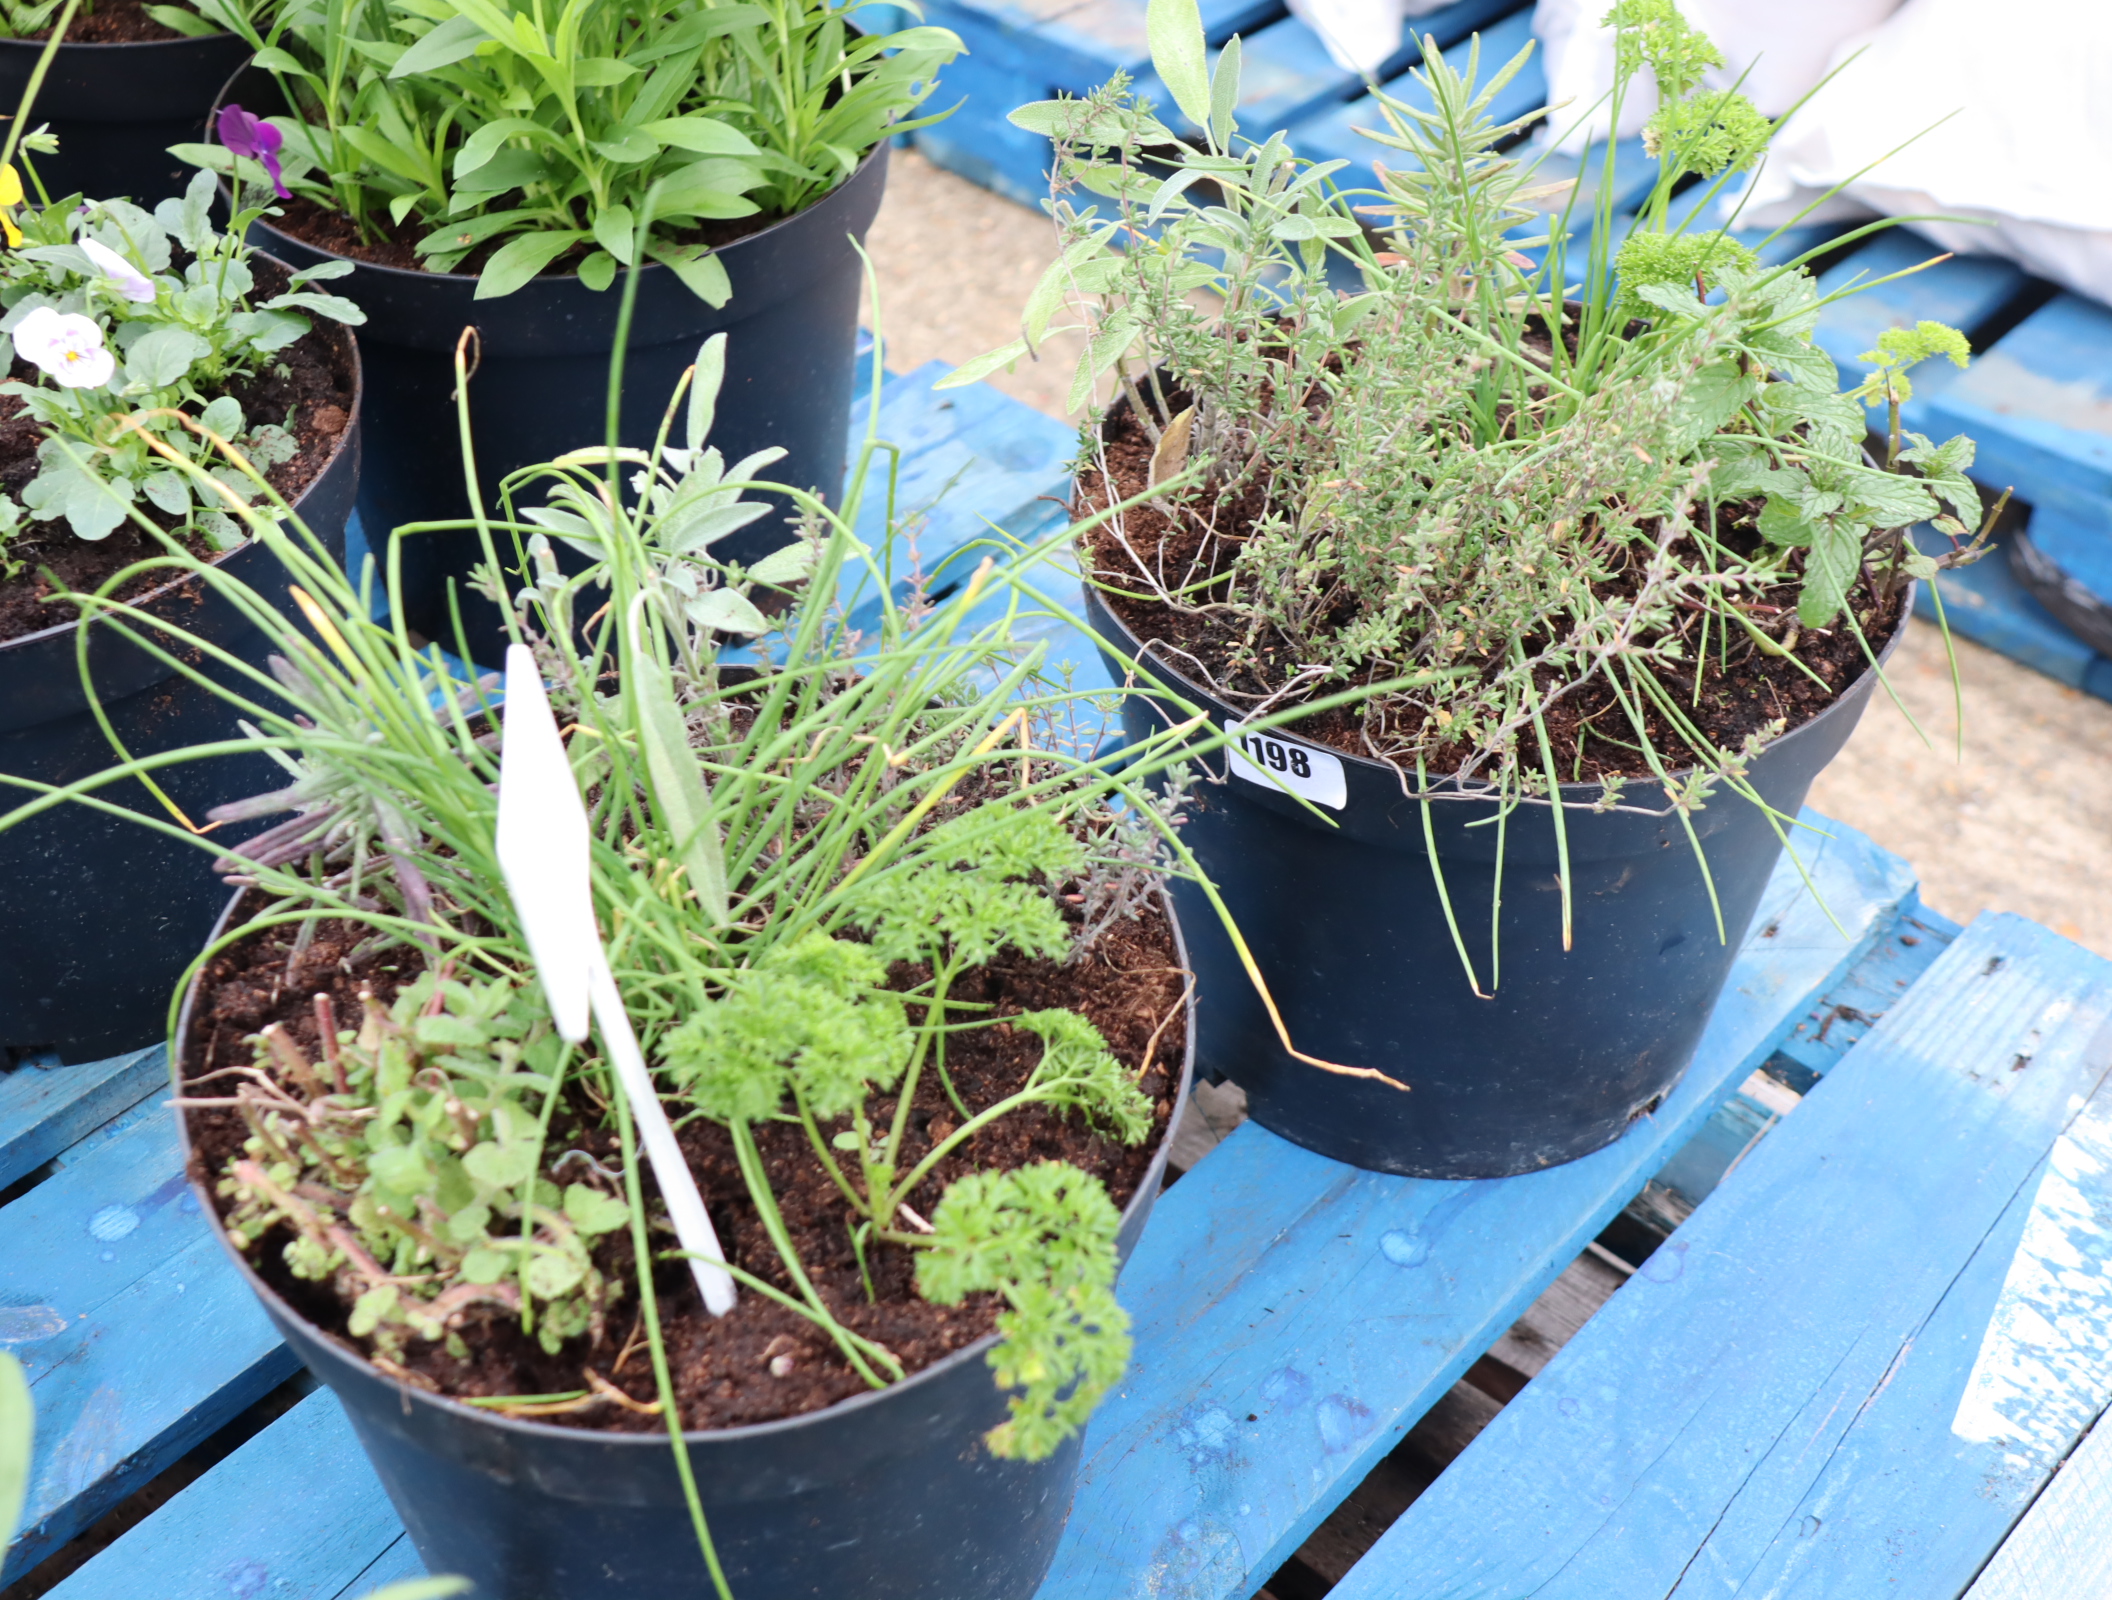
<point>542,847</point>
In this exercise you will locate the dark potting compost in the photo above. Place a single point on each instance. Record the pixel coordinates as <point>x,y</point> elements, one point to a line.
<point>112,22</point>
<point>1129,987</point>
<point>541,360</point>
<point>1543,1054</point>
<point>813,1485</point>
<point>100,914</point>
<point>1745,697</point>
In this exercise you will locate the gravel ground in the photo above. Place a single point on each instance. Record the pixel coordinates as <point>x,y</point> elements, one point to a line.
<point>2022,822</point>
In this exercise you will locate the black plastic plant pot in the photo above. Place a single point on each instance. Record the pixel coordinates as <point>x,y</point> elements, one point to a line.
<point>118,107</point>
<point>1349,931</point>
<point>99,915</point>
<point>886,1496</point>
<point>541,383</point>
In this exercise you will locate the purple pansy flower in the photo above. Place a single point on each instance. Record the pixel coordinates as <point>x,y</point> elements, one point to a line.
<point>252,136</point>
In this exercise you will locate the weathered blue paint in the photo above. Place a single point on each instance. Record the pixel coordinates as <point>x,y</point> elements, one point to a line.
<point>1295,1317</point>
<point>2039,404</point>
<point>138,1336</point>
<point>1776,1404</point>
<point>296,1512</point>
<point>1876,984</point>
<point>45,1109</point>
<point>2060,1551</point>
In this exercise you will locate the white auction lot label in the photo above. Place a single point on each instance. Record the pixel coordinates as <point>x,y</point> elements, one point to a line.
<point>1269,759</point>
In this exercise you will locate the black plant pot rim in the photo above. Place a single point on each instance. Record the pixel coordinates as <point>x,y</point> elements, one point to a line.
<point>344,439</point>
<point>1147,1193</point>
<point>114,44</point>
<point>1098,611</point>
<point>419,275</point>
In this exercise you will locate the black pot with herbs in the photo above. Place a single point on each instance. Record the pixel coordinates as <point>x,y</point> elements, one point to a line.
<point>127,80</point>
<point>474,179</point>
<point>887,968</point>
<point>1533,596</point>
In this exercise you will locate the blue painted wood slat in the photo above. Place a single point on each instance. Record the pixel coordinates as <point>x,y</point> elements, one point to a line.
<point>2039,405</point>
<point>1782,1404</point>
<point>215,1539</point>
<point>2061,1549</point>
<point>138,1336</point>
<point>1294,1317</point>
<point>45,1109</point>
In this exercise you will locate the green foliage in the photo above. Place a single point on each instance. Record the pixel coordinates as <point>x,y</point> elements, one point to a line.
<point>1044,1238</point>
<point>1901,348</point>
<point>178,341</point>
<point>812,1015</point>
<point>18,1431</point>
<point>972,892</point>
<point>25,19</point>
<point>877,812</point>
<point>1708,133</point>
<point>1653,34</point>
<point>559,130</point>
<point>1485,484</point>
<point>1649,260</point>
<point>406,1166</point>
<point>1077,1070</point>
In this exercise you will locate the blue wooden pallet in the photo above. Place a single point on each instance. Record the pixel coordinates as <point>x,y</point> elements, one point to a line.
<point>1294,1317</point>
<point>1022,50</point>
<point>2038,400</point>
<point>1864,1356</point>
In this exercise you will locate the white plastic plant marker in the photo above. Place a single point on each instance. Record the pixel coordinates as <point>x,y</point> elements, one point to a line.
<point>1276,761</point>
<point>543,851</point>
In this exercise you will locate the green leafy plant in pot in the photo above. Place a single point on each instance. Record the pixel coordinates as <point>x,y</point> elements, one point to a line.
<point>143,344</point>
<point>120,82</point>
<point>490,164</point>
<point>892,945</point>
<point>1600,539</point>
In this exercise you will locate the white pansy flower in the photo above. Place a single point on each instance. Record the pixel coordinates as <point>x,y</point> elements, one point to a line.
<point>66,345</point>
<point>129,280</point>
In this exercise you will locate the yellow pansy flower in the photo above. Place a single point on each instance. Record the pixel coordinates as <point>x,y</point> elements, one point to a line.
<point>10,195</point>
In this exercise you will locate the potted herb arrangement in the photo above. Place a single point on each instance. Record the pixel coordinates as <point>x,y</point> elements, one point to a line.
<point>140,342</point>
<point>124,80</point>
<point>485,164</point>
<point>892,1008</point>
<point>1599,542</point>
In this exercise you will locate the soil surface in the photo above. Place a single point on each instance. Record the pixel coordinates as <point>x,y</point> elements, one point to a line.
<point>728,1371</point>
<point>1589,730</point>
<point>395,244</point>
<point>314,392</point>
<point>114,22</point>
